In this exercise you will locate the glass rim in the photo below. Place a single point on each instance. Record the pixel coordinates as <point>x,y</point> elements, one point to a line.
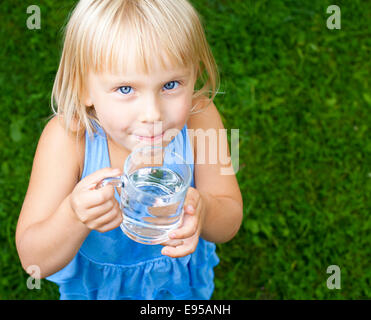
<point>185,186</point>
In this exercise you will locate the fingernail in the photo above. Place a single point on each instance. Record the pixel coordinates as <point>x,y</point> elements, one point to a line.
<point>172,235</point>
<point>190,208</point>
<point>164,251</point>
<point>92,186</point>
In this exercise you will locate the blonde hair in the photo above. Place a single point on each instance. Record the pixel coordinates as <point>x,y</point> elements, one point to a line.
<point>97,33</point>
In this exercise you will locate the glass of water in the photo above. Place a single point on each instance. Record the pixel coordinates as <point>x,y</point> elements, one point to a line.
<point>153,188</point>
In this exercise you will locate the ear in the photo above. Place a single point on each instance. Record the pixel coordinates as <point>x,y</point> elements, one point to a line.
<point>86,99</point>
<point>88,102</point>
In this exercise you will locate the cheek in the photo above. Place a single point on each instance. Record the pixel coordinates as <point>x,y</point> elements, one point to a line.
<point>114,118</point>
<point>180,110</point>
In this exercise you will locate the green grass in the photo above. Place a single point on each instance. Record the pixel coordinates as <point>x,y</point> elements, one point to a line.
<point>300,96</point>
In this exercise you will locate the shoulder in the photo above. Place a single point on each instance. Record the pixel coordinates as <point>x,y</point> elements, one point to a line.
<point>66,144</point>
<point>207,121</point>
<point>213,170</point>
<point>207,116</point>
<point>54,174</point>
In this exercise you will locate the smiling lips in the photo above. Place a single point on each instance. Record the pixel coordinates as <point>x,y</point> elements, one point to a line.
<point>151,138</point>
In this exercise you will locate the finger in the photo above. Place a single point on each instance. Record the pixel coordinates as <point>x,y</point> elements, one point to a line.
<point>180,251</point>
<point>189,208</point>
<point>189,226</point>
<point>111,225</point>
<point>111,216</point>
<point>81,201</point>
<point>187,230</point>
<point>100,210</point>
<point>172,243</point>
<point>191,200</point>
<point>98,197</point>
<point>93,179</point>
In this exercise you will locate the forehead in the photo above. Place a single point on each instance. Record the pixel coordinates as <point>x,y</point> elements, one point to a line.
<point>145,50</point>
<point>157,66</point>
<point>139,37</point>
<point>131,59</point>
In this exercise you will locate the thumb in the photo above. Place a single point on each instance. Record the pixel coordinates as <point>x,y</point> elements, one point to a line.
<point>191,201</point>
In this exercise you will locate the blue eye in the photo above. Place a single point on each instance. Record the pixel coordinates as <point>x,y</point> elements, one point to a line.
<point>171,85</point>
<point>125,89</point>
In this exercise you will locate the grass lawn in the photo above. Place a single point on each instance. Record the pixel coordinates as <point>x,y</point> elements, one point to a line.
<point>300,96</point>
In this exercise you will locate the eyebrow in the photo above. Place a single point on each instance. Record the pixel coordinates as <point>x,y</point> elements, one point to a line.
<point>180,76</point>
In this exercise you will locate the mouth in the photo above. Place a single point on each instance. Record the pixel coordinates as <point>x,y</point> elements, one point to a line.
<point>149,138</point>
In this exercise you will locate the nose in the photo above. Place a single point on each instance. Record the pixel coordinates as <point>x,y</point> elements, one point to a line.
<point>151,110</point>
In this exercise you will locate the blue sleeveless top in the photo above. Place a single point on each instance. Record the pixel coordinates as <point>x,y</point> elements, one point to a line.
<point>111,266</point>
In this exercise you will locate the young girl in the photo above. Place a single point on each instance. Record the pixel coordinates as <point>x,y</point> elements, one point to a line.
<point>126,67</point>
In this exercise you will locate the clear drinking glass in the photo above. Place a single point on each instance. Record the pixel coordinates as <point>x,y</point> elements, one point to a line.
<point>153,188</point>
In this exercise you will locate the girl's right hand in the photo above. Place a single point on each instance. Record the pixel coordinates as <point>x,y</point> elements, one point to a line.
<point>97,208</point>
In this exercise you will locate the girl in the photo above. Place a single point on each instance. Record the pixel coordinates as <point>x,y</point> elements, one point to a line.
<point>126,67</point>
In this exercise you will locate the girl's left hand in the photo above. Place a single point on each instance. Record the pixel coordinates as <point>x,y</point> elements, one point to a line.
<point>183,241</point>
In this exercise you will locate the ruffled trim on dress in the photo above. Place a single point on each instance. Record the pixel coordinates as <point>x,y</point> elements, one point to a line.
<point>189,277</point>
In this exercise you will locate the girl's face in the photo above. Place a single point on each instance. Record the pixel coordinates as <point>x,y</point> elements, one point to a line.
<point>137,109</point>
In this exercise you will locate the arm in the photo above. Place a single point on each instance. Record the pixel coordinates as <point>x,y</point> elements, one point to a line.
<point>223,217</point>
<point>58,212</point>
<point>221,194</point>
<point>217,202</point>
<point>47,233</point>
<point>53,242</point>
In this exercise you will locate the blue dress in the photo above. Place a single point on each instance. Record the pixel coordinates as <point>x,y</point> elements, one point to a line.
<point>111,266</point>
